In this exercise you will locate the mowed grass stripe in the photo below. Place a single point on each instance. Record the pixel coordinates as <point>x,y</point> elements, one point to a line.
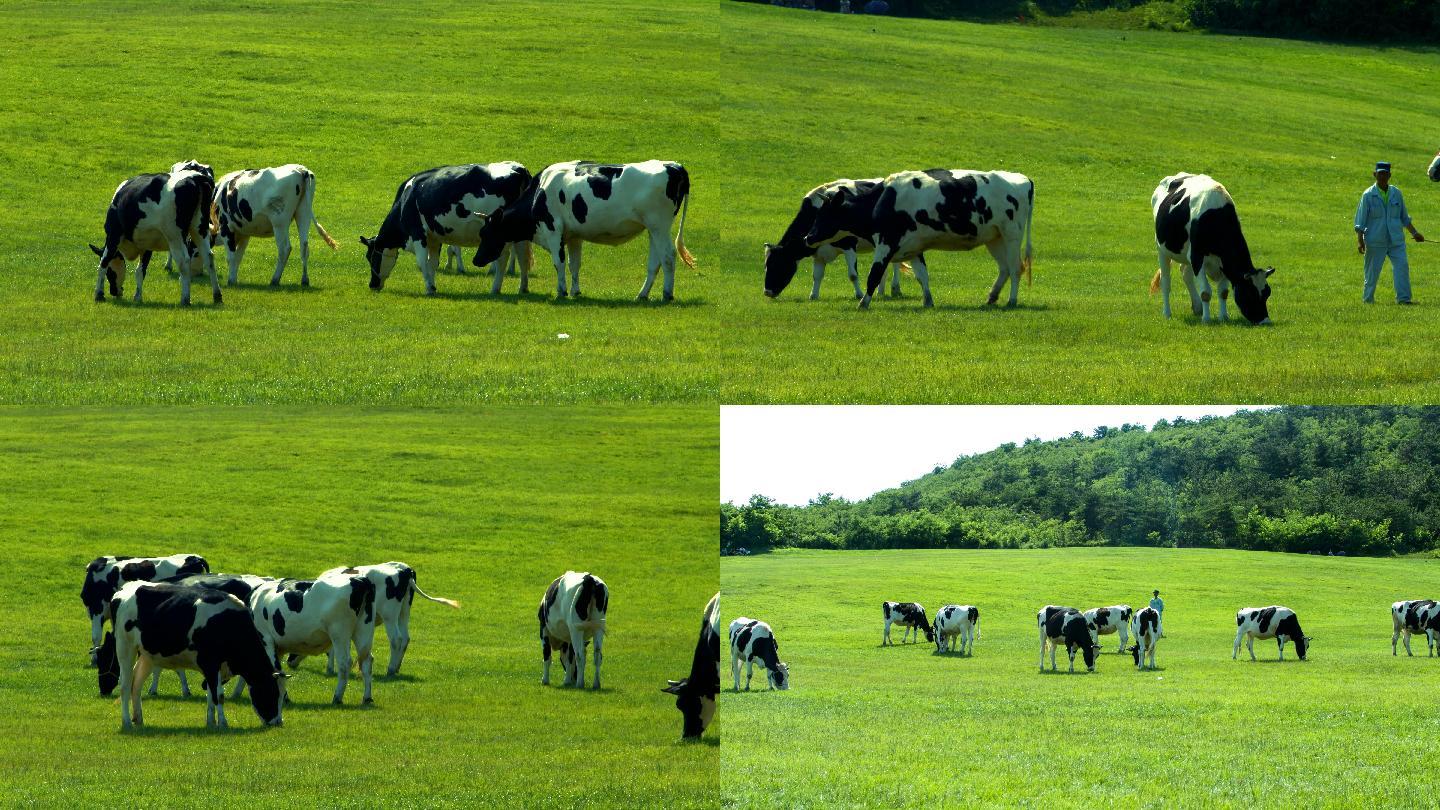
<point>487,505</point>
<point>1096,118</point>
<point>904,726</point>
<point>364,97</point>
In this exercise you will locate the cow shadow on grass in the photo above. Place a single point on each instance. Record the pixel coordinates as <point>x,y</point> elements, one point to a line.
<point>951,654</point>
<point>1080,670</point>
<point>549,297</point>
<point>168,303</point>
<point>265,286</point>
<point>712,742</point>
<point>195,731</point>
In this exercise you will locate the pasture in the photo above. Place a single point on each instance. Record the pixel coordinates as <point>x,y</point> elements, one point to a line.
<point>364,96</point>
<point>906,726</point>
<point>488,505</point>
<point>1096,118</point>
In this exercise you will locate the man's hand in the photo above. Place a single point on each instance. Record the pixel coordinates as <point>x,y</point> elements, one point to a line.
<point>1419,237</point>
<point>1362,246</point>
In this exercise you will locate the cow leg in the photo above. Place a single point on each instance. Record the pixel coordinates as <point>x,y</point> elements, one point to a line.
<point>668,290</point>
<point>184,685</point>
<point>1164,276</point>
<point>854,272</point>
<point>600,656</point>
<point>100,279</point>
<point>922,275</point>
<point>282,254</point>
<point>1394,640</point>
<point>878,264</point>
<point>1053,649</point>
<point>1042,649</point>
<point>455,259</point>
<point>340,646</point>
<point>524,259</point>
<point>895,280</point>
<point>124,658</point>
<point>1407,644</point>
<point>399,638</point>
<point>1239,634</point>
<point>653,262</point>
<point>735,667</point>
<point>1070,651</point>
<point>1223,285</point>
<point>1250,645</point>
<point>749,672</point>
<point>574,249</point>
<point>545,654</point>
<point>1280,642</point>
<point>155,683</point>
<point>207,261</point>
<point>884,640</point>
<point>1007,257</point>
<point>577,647</point>
<point>239,689</point>
<point>497,270</point>
<point>365,652</point>
<point>557,254</point>
<point>422,258</point>
<point>818,275</point>
<point>1124,638</point>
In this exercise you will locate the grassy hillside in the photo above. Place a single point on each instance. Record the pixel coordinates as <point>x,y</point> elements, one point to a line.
<point>904,726</point>
<point>364,96</point>
<point>488,507</point>
<point>1096,118</point>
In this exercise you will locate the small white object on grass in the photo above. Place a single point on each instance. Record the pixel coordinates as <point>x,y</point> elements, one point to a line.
<point>563,336</point>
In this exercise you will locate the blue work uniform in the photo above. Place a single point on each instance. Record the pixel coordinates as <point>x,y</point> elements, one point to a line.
<point>1381,220</point>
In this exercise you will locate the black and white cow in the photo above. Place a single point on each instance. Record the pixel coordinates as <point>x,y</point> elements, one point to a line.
<point>938,209</point>
<point>783,257</point>
<point>909,615</point>
<point>1146,626</point>
<point>105,575</point>
<point>309,617</point>
<point>572,203</point>
<point>1197,226</point>
<point>169,211</point>
<point>169,626</point>
<point>1111,620</point>
<point>1434,171</point>
<point>445,206</point>
<point>1274,622</point>
<point>695,694</point>
<point>956,623</point>
<point>572,612</point>
<point>752,641</point>
<point>184,165</point>
<point>395,589</point>
<point>1416,617</point>
<point>1066,625</point>
<point>263,202</point>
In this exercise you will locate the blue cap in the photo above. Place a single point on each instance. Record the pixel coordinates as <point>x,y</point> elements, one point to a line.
<point>1382,165</point>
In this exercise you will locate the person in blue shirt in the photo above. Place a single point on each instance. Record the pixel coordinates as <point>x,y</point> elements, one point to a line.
<point>1159,605</point>
<point>1378,222</point>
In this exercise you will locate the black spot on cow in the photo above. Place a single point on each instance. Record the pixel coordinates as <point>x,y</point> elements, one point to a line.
<point>592,594</point>
<point>915,181</point>
<point>743,637</point>
<point>193,565</point>
<point>1290,627</point>
<point>1266,615</point>
<point>362,597</point>
<point>974,615</point>
<point>677,184</point>
<point>246,213</point>
<point>294,598</point>
<point>108,665</point>
<point>461,211</point>
<point>168,614</point>
<point>579,208</point>
<point>1102,618</point>
<point>279,623</point>
<point>599,177</point>
<point>398,587</point>
<point>142,570</point>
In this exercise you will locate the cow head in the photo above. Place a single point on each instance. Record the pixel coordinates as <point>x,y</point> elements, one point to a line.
<point>780,265</point>
<point>1252,294</point>
<point>107,664</point>
<point>1134,650</point>
<point>114,265</point>
<point>507,225</point>
<point>840,215</point>
<point>194,166</point>
<point>381,260</point>
<point>929,630</point>
<point>697,709</point>
<point>1089,651</point>
<point>1302,646</point>
<point>779,677</point>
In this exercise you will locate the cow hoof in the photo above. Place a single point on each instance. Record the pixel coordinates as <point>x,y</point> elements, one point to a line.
<point>337,702</point>
<point>559,294</point>
<point>574,293</point>
<point>524,290</point>
<point>219,299</point>
<point>642,298</point>
<point>990,302</point>
<point>100,296</point>
<point>429,290</point>
<point>304,282</point>
<point>184,302</point>
<point>368,701</point>
<point>929,302</point>
<point>668,297</point>
<point>274,282</point>
<point>864,303</point>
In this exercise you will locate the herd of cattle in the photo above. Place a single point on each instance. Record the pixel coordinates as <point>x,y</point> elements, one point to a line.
<point>499,209</point>
<point>900,217</point>
<point>955,627</point>
<point>173,613</point>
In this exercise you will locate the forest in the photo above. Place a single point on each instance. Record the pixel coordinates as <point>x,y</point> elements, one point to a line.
<point>1311,479</point>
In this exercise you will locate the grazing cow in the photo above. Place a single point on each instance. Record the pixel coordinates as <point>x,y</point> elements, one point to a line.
<point>1196,225</point>
<point>782,258</point>
<point>938,209</point>
<point>1279,623</point>
<point>395,589</point>
<point>170,626</point>
<point>1112,620</point>
<point>752,640</point>
<point>695,694</point>
<point>956,622</point>
<point>1066,625</point>
<point>184,165</point>
<point>239,586</point>
<point>571,613</point>
<point>1146,626</point>
<point>572,203</point>
<point>105,575</point>
<point>169,211</point>
<point>909,615</point>
<point>1434,170</point>
<point>308,617</point>
<point>1414,617</point>
<point>445,206</point>
<point>263,202</point>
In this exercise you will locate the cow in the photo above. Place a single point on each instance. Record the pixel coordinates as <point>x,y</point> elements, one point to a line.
<point>782,258</point>
<point>170,626</point>
<point>909,615</point>
<point>1112,620</point>
<point>695,694</point>
<point>1197,226</point>
<point>956,622</point>
<point>572,612</point>
<point>191,165</point>
<point>1279,623</point>
<point>1415,617</point>
<point>308,617</point>
<point>1146,626</point>
<point>569,204</point>
<point>395,589</point>
<point>937,209</point>
<point>446,205</point>
<point>1066,625</point>
<point>752,640</point>
<point>1434,171</point>
<point>105,575</point>
<point>168,211</point>
<point>263,202</point>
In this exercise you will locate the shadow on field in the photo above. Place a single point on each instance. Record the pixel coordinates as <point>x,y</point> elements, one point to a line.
<point>265,286</point>
<point>582,301</point>
<point>713,742</point>
<point>194,731</point>
<point>151,303</point>
<point>1078,671</point>
<point>951,654</point>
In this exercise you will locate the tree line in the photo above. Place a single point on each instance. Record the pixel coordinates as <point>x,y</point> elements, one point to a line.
<point>1313,479</point>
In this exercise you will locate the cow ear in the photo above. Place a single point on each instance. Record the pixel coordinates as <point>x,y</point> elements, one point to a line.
<point>366,242</point>
<point>98,251</point>
<point>1269,271</point>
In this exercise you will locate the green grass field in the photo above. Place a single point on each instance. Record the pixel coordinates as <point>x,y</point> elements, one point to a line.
<point>905,726</point>
<point>1096,118</point>
<point>364,95</point>
<point>488,506</point>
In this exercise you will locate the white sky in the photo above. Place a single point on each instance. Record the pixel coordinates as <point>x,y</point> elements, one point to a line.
<point>794,452</point>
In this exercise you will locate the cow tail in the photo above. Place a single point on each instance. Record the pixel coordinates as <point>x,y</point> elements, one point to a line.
<point>309,204</point>
<point>685,255</point>
<point>1027,263</point>
<point>1155,283</point>
<point>415,586</point>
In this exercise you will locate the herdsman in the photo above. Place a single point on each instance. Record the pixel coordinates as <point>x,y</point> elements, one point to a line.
<point>1378,222</point>
<point>1159,605</point>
